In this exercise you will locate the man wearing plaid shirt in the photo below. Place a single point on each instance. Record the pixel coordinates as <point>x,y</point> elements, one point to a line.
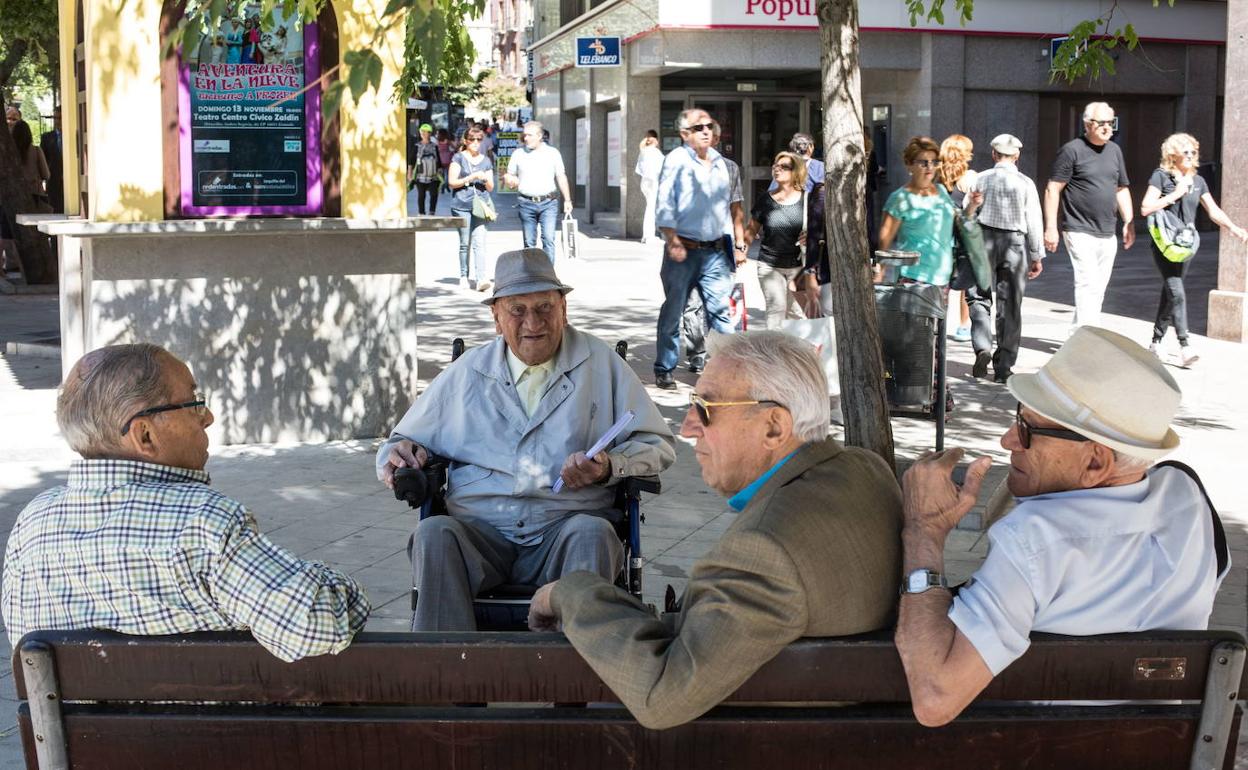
<point>1014,236</point>
<point>137,542</point>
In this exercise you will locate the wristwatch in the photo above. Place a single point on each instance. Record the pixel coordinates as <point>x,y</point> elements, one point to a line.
<point>920,580</point>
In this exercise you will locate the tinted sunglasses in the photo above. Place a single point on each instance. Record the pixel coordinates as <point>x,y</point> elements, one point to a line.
<point>700,127</point>
<point>1025,431</point>
<point>703,407</point>
<point>1112,123</point>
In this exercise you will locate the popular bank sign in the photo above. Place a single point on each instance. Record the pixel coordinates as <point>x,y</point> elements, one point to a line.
<point>796,14</point>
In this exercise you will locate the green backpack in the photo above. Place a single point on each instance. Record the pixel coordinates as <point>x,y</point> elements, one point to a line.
<point>1176,240</point>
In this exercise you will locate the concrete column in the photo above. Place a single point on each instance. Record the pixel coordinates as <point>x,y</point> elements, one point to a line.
<point>597,159</point>
<point>945,65</point>
<point>641,113</point>
<point>1228,304</point>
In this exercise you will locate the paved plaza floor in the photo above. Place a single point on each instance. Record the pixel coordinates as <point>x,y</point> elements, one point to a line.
<point>323,501</point>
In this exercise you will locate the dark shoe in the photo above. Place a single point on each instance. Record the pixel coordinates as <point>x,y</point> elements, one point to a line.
<point>665,381</point>
<point>697,364</point>
<point>949,402</point>
<point>980,370</point>
<point>1001,377</point>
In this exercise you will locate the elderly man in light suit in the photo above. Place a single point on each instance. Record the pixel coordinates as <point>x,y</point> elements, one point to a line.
<point>814,550</point>
<point>514,416</point>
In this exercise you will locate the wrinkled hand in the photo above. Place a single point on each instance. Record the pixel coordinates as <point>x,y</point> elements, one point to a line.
<point>932,502</point>
<point>1037,267</point>
<point>404,454</point>
<point>1128,236</point>
<point>1050,240</point>
<point>580,471</point>
<point>676,250</point>
<point>542,616</point>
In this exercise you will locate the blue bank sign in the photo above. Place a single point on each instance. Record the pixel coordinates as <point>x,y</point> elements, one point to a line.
<point>597,52</point>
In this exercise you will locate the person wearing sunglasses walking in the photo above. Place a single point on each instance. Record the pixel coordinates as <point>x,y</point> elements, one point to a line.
<point>138,542</point>
<point>1088,185</point>
<point>813,551</point>
<point>780,219</point>
<point>919,216</point>
<point>1176,188</point>
<point>1102,540</point>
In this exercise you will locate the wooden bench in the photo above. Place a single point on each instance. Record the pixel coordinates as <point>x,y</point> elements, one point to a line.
<point>214,701</point>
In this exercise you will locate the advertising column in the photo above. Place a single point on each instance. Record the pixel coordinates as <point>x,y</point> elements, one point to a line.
<point>249,131</point>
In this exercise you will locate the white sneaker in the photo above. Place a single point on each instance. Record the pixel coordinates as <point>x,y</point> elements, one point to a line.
<point>485,285</point>
<point>1190,356</point>
<point>463,282</point>
<point>1155,349</point>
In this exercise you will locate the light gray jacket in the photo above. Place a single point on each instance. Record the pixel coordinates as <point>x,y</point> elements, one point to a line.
<point>505,462</point>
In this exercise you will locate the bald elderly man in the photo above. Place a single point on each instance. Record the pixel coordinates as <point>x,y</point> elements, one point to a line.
<point>138,542</point>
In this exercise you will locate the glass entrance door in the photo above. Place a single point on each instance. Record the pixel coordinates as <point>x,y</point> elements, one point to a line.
<point>775,122</point>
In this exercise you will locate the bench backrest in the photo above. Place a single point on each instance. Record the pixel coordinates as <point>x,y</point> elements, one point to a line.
<point>388,700</point>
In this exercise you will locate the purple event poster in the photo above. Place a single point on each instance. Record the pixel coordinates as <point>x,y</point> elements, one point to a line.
<point>249,135</point>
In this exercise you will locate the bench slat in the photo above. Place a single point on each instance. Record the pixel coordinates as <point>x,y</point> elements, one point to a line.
<point>1072,739</point>
<point>423,669</point>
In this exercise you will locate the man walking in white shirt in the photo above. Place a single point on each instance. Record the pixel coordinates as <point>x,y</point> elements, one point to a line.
<point>536,169</point>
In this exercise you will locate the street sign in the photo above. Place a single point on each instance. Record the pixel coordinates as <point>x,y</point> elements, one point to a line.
<point>598,51</point>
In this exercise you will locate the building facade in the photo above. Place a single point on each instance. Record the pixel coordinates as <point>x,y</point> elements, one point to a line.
<point>755,66</point>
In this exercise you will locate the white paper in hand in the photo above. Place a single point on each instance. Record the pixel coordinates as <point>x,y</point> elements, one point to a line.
<point>602,443</point>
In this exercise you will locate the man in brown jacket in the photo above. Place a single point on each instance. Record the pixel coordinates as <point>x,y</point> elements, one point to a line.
<point>815,550</point>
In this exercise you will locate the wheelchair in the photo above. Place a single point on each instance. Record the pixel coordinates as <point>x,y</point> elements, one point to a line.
<point>506,607</point>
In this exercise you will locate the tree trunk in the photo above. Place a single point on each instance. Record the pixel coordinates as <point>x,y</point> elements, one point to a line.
<point>33,247</point>
<point>861,366</point>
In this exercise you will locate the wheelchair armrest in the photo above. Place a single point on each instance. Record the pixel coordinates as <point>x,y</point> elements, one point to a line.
<point>416,485</point>
<point>635,485</point>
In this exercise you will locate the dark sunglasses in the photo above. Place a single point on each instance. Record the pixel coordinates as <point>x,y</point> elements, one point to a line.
<point>928,163</point>
<point>783,167</point>
<point>700,127</point>
<point>200,405</point>
<point>703,407</point>
<point>1025,431</point>
<point>1112,123</point>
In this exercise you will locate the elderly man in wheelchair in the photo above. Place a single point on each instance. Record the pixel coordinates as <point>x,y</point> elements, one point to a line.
<point>514,418</point>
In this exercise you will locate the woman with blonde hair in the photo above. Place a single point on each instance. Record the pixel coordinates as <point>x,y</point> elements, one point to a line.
<point>956,154</point>
<point>1177,187</point>
<point>781,217</point>
<point>649,165</point>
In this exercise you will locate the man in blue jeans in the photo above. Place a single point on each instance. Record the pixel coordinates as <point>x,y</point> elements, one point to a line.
<point>693,213</point>
<point>536,170</point>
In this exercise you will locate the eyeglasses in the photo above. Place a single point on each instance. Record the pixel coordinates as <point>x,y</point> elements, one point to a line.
<point>927,163</point>
<point>700,127</point>
<point>200,405</point>
<point>703,407</point>
<point>782,167</point>
<point>1025,431</point>
<point>470,140</point>
<point>1188,153</point>
<point>1112,123</point>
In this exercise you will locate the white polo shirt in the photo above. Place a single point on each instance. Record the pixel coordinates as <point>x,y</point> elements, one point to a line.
<point>537,169</point>
<point>1093,561</point>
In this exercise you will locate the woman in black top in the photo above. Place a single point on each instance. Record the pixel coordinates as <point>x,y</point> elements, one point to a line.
<point>779,216</point>
<point>1176,186</point>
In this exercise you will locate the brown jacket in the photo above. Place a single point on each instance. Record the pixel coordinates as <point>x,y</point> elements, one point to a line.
<point>816,552</point>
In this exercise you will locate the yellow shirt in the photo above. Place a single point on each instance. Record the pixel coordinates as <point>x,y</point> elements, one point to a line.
<point>530,381</point>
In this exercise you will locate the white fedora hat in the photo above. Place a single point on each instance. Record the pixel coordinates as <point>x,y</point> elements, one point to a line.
<point>1104,386</point>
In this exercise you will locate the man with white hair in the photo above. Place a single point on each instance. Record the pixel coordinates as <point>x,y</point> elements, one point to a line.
<point>813,550</point>
<point>137,542</point>
<point>536,171</point>
<point>1089,180</point>
<point>1100,542</point>
<point>1014,237</point>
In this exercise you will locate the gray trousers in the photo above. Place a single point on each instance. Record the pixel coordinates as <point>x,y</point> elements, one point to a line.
<point>1007,250</point>
<point>453,561</point>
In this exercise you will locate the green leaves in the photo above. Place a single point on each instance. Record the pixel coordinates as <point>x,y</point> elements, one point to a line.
<point>363,71</point>
<point>935,11</point>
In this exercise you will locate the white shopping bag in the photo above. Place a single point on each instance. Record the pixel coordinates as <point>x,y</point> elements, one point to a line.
<point>821,332</point>
<point>569,240</point>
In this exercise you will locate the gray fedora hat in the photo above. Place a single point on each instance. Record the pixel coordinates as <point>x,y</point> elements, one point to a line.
<point>524,272</point>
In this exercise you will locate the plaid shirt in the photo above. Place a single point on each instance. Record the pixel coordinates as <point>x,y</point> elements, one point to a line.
<point>149,549</point>
<point>1012,203</point>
